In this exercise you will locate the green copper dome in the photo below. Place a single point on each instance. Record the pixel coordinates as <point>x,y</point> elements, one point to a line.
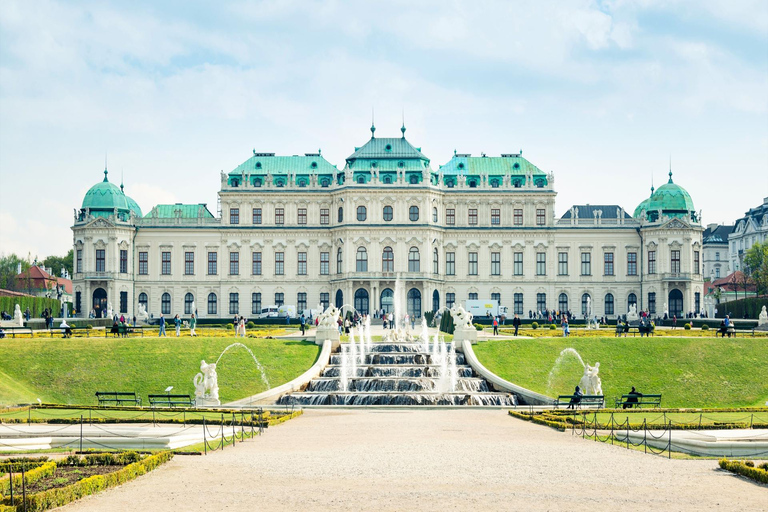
<point>103,198</point>
<point>669,199</point>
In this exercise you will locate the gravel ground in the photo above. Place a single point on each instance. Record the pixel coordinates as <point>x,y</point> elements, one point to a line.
<point>427,460</point>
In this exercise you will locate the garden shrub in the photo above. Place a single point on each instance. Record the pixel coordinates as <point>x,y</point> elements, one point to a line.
<point>552,327</point>
<point>31,476</point>
<point>230,327</point>
<point>745,468</point>
<point>250,325</point>
<point>704,327</point>
<point>687,327</point>
<point>535,325</point>
<point>478,327</point>
<point>89,327</point>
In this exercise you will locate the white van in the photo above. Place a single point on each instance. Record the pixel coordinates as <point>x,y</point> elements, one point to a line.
<point>268,312</point>
<point>289,311</point>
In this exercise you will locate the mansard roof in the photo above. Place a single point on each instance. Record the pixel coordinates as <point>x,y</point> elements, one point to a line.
<point>268,163</point>
<point>387,148</point>
<point>184,211</point>
<point>506,164</point>
<point>717,234</point>
<point>587,211</point>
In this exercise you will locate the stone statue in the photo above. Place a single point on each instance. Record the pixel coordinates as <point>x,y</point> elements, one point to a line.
<point>17,317</point>
<point>206,383</point>
<point>194,307</point>
<point>762,319</point>
<point>590,383</point>
<point>109,310</point>
<point>142,313</point>
<point>632,314</point>
<point>461,318</point>
<point>329,318</point>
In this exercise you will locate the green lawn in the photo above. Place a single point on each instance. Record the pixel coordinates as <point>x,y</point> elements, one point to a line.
<point>703,372</point>
<point>70,371</point>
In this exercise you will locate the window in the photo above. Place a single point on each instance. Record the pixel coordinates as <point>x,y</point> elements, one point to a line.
<point>608,304</point>
<point>256,263</point>
<point>631,263</point>
<point>79,265</point>
<point>257,215</point>
<point>302,265</point>
<point>388,260</point>
<point>434,214</point>
<point>435,261</point>
<point>189,299</point>
<point>450,300</point>
<point>541,301</point>
<point>213,263</point>
<point>388,213</point>
<point>586,264</point>
<point>279,263</point>
<point>518,301</point>
<point>450,216</point>
<point>325,216</point>
<point>651,262</point>
<point>450,263</point>
<point>717,256</point>
<point>413,213</point>
<point>341,214</point>
<point>472,270</point>
<point>100,260</point>
<point>212,304</point>
<point>495,263</point>
<point>279,216</point>
<point>124,263</point>
<point>472,217</point>
<point>165,303</point>
<point>518,217</point>
<point>473,296</point>
<point>675,257</point>
<point>234,303</point>
<point>362,260</point>
<point>123,302</point>
<point>518,264</point>
<point>651,303</point>
<point>325,263</point>
<point>362,213</point>
<point>562,303</point>
<point>189,263</point>
<point>78,301</point>
<point>697,302</point>
<point>234,263</point>
<point>696,263</point>
<point>496,297</point>
<point>143,300</point>
<point>562,263</point>
<point>301,302</point>
<point>325,300</point>
<point>585,301</point>
<point>717,272</point>
<point>279,299</point>
<point>255,303</point>
<point>495,217</point>
<point>541,263</point>
<point>608,263</point>
<point>166,263</point>
<point>541,217</point>
<point>234,215</point>
<point>631,301</point>
<point>301,217</point>
<point>338,261</point>
<point>414,261</point>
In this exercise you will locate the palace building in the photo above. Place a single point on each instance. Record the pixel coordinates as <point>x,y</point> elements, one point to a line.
<point>298,230</point>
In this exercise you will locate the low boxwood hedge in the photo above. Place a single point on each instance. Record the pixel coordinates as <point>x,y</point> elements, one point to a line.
<point>31,476</point>
<point>745,468</point>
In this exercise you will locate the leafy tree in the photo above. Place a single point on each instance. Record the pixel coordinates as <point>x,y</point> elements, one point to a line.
<point>56,263</point>
<point>9,269</point>
<point>756,266</point>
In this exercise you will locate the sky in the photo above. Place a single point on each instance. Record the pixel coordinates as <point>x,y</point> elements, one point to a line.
<point>602,94</point>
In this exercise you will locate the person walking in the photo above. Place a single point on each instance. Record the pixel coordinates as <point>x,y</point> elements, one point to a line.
<point>177,323</point>
<point>162,325</point>
<point>516,322</point>
<point>495,326</point>
<point>192,325</point>
<point>301,324</point>
<point>566,328</point>
<point>242,327</point>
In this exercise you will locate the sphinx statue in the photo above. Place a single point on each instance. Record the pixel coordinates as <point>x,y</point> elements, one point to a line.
<point>18,319</point>
<point>206,383</point>
<point>762,319</point>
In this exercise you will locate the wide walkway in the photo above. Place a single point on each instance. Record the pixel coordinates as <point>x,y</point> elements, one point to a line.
<point>427,460</point>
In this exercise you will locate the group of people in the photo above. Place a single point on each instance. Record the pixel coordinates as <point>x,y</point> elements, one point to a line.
<point>633,397</point>
<point>177,323</point>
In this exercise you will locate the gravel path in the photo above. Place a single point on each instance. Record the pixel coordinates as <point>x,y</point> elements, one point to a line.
<point>427,460</point>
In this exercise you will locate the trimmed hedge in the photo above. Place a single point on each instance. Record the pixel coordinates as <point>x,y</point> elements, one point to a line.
<point>745,468</point>
<point>736,308</point>
<point>31,476</point>
<point>36,305</point>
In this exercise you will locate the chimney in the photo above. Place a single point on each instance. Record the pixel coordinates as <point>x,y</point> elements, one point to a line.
<point>18,268</point>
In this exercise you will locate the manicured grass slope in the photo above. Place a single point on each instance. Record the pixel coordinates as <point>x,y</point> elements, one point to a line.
<point>71,371</point>
<point>687,372</point>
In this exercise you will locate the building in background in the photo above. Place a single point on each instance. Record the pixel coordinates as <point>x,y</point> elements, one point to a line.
<point>716,258</point>
<point>749,230</point>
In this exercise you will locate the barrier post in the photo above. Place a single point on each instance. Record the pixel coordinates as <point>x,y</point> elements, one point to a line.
<point>700,415</point>
<point>751,420</point>
<point>669,442</point>
<point>10,481</point>
<point>29,416</point>
<point>222,431</point>
<point>205,441</point>
<point>645,435</point>
<point>611,429</point>
<point>234,438</point>
<point>23,487</point>
<point>627,436</point>
<point>81,433</point>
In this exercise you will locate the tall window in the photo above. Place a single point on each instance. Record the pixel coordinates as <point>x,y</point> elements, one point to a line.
<point>143,263</point>
<point>434,214</point>
<point>325,300</point>
<point>717,256</point>
<point>675,257</point>
<point>362,260</point>
<point>541,263</point>
<point>651,262</point>
<point>631,263</point>
<point>165,267</point>
<point>341,214</point>
<point>541,301</point>
<point>414,261</point>
<point>234,303</point>
<point>450,263</point>
<point>609,304</point>
<point>338,261</point>
<point>586,264</point>
<point>696,264</point>
<point>518,264</point>
<point>302,265</point>
<point>234,263</point>
<point>450,216</point>
<point>165,303</point>
<point>697,302</point>
<point>100,260</point>
<point>473,296</point>
<point>541,216</point>
<point>301,216</point>
<point>472,217</point>
<point>257,215</point>
<point>651,303</point>
<point>325,216</point>
<point>388,213</point>
<point>585,300</point>
<point>518,301</point>
<point>717,272</point>
<point>495,263</point>
<point>279,299</point>
<point>562,263</point>
<point>123,302</point>
<point>234,215</point>
<point>301,302</point>
<point>143,299</point>
<point>495,216</point>
<point>279,263</point>
<point>496,297</point>
<point>256,264</point>
<point>124,261</point>
<point>518,217</point>
<point>450,300</point>
<point>189,299</point>
<point>325,263</point>
<point>255,303</point>
<point>362,214</point>
<point>472,269</point>
<point>212,263</point>
<point>608,263</point>
<point>279,216</point>
<point>212,304</point>
<point>435,261</point>
<point>631,300</point>
<point>562,303</point>
<point>79,263</point>
<point>388,260</point>
<point>413,213</point>
<point>189,263</point>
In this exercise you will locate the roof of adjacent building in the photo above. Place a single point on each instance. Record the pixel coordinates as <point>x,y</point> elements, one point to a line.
<point>268,163</point>
<point>104,197</point>
<point>184,211</point>
<point>717,235</point>
<point>507,164</point>
<point>587,211</point>
<point>38,276</point>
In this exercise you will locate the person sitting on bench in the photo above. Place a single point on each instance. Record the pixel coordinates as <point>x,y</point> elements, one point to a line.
<point>725,325</point>
<point>632,398</point>
<point>67,329</point>
<point>575,399</point>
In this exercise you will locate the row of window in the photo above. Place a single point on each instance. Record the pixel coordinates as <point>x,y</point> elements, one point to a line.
<point>234,302</point>
<point>101,261</point>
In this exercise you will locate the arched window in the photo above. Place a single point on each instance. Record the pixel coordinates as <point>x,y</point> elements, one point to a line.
<point>388,212</point>
<point>631,301</point>
<point>472,183</point>
<point>362,214</point>
<point>608,304</point>
<point>361,179</point>
<point>414,179</point>
<point>435,262</point>
<point>435,301</point>
<point>338,261</point>
<point>562,303</point>
<point>414,262</point>
<point>675,303</point>
<point>341,214</point>
<point>362,260</point>
<point>339,299</point>
<point>325,183</point>
<point>388,300</point>
<point>188,300</point>
<point>434,214</point>
<point>361,301</point>
<point>165,305</point>
<point>388,260</point>
<point>413,213</point>
<point>387,179</point>
<point>414,303</point>
<point>143,300</point>
<point>586,304</point>
<point>212,304</point>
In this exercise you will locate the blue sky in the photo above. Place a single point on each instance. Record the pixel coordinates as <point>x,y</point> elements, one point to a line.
<point>600,93</point>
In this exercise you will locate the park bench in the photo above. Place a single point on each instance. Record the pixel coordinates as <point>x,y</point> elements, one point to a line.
<point>74,330</point>
<point>638,401</point>
<point>586,401</point>
<point>124,331</point>
<point>118,398</point>
<point>169,400</point>
<point>730,330</point>
<point>12,330</point>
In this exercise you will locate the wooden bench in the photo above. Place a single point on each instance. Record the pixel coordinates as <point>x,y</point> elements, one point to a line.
<point>634,328</point>
<point>169,400</point>
<point>586,400</point>
<point>73,330</point>
<point>118,397</point>
<point>17,328</point>
<point>632,400</point>
<point>730,330</point>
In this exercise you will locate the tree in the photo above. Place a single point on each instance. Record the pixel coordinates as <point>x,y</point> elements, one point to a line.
<point>756,266</point>
<point>56,263</point>
<point>9,266</point>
